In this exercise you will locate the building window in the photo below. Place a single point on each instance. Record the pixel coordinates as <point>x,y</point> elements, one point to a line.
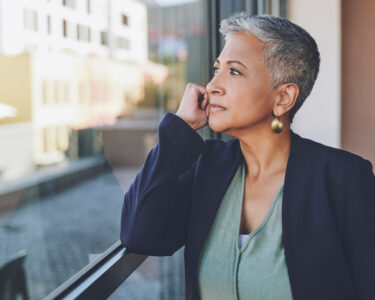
<point>57,92</point>
<point>83,33</point>
<point>45,139</point>
<point>65,28</point>
<point>124,19</point>
<point>30,19</point>
<point>104,38</point>
<point>49,139</point>
<point>82,92</point>
<point>44,92</point>
<point>66,92</point>
<point>79,35</point>
<point>69,3</point>
<point>49,25</point>
<point>88,6</point>
<point>123,43</point>
<point>62,135</point>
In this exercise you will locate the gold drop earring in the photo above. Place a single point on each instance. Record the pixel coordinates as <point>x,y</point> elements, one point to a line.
<point>276,125</point>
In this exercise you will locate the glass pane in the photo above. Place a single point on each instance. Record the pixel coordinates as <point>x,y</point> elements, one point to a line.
<point>157,278</point>
<point>177,40</point>
<point>81,97</point>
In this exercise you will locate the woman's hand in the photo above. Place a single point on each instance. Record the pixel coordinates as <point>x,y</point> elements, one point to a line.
<point>194,107</point>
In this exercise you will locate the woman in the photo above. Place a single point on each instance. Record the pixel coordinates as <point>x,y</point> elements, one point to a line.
<point>268,215</point>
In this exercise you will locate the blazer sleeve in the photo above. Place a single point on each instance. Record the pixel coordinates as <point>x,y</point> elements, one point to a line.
<point>156,206</point>
<point>360,230</point>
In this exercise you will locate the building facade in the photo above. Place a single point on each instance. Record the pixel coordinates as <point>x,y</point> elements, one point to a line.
<point>66,66</point>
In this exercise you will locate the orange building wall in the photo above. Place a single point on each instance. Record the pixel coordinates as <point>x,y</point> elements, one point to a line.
<point>15,87</point>
<point>358,77</point>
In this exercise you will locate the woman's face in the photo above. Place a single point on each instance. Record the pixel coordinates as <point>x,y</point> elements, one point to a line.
<point>241,86</point>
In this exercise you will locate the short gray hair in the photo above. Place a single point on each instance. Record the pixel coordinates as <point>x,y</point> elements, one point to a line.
<point>291,53</point>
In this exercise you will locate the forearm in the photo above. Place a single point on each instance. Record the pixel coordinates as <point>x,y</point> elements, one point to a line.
<point>156,204</point>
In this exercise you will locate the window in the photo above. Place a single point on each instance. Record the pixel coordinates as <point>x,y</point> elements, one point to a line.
<point>56,92</point>
<point>66,92</point>
<point>30,19</point>
<point>124,19</point>
<point>123,43</point>
<point>88,6</point>
<point>79,35</point>
<point>83,33</point>
<point>49,25</point>
<point>82,92</point>
<point>49,137</point>
<point>44,92</point>
<point>65,28</point>
<point>104,38</point>
<point>69,3</point>
<point>62,138</point>
<point>45,139</point>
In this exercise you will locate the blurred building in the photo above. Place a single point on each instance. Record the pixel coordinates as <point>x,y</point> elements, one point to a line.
<point>116,28</point>
<point>66,66</point>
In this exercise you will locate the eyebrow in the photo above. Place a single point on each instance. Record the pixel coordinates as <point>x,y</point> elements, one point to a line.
<point>232,62</point>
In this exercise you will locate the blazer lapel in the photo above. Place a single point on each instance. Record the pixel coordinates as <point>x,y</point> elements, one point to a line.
<point>312,251</point>
<point>215,175</point>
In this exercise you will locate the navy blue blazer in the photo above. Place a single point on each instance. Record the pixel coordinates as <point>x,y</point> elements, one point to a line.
<point>328,210</point>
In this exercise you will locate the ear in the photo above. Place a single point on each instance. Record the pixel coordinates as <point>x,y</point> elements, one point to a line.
<point>286,95</point>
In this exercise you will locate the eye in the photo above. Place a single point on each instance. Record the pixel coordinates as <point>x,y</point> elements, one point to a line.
<point>232,71</point>
<point>235,72</point>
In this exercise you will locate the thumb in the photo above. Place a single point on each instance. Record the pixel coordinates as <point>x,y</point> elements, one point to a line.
<point>207,110</point>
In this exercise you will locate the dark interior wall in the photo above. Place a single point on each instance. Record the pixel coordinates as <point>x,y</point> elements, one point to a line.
<point>358,77</point>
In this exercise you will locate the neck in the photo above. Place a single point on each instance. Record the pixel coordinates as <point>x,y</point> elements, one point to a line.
<point>265,152</point>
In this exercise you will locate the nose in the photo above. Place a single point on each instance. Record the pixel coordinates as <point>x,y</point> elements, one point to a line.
<point>215,86</point>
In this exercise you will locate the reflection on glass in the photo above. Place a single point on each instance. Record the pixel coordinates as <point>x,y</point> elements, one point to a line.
<point>83,87</point>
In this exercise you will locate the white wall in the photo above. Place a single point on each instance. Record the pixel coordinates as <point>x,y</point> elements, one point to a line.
<point>320,116</point>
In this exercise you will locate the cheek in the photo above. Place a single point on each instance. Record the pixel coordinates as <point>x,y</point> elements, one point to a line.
<point>251,101</point>
<point>250,107</point>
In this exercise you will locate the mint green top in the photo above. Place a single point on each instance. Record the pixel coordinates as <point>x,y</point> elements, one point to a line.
<point>257,269</point>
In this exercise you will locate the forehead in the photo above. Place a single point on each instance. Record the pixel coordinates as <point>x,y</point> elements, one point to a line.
<point>244,47</point>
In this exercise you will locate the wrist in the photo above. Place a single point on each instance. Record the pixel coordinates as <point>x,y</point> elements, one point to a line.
<point>186,121</point>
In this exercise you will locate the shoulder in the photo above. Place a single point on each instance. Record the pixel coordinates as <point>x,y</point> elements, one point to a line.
<point>331,157</point>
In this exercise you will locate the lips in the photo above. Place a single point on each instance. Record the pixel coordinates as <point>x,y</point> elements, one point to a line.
<point>215,107</point>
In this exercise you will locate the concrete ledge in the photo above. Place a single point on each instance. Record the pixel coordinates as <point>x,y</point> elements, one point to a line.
<point>46,182</point>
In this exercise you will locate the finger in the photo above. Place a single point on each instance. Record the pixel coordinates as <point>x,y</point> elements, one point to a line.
<point>205,101</point>
<point>201,89</point>
<point>204,104</point>
<point>207,110</point>
<point>201,102</point>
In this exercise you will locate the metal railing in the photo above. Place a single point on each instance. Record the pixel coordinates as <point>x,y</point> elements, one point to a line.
<point>100,278</point>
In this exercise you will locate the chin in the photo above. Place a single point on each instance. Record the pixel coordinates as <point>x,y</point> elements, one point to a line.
<point>216,125</point>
